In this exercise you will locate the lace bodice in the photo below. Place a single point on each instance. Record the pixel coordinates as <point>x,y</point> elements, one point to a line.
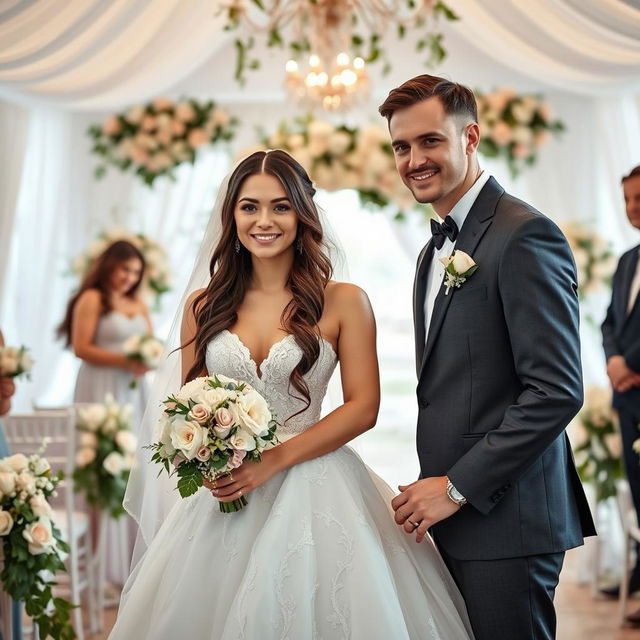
<point>227,355</point>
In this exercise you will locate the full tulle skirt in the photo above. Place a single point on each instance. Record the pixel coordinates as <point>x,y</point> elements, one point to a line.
<point>315,554</point>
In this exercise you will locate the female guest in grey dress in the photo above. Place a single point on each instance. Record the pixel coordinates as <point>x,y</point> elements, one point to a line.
<point>101,315</point>
<point>104,312</point>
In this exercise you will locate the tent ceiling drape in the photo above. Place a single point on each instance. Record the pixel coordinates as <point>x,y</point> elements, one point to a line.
<point>102,54</point>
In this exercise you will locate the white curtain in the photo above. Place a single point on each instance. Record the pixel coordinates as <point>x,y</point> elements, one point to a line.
<point>60,210</point>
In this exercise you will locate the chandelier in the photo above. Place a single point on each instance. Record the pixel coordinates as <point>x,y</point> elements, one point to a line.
<point>337,39</point>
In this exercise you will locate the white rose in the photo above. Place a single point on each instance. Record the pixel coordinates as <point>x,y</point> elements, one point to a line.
<point>339,142</point>
<point>187,437</point>
<point>185,112</point>
<point>253,413</point>
<point>135,114</point>
<point>461,261</point>
<point>126,441</point>
<point>40,507</point>
<point>114,463</point>
<point>189,389</point>
<point>85,456</point>
<point>18,462</point>
<point>6,523</point>
<point>92,416</point>
<point>242,441</point>
<point>7,482</point>
<point>40,465</point>
<point>26,482</point>
<point>522,135</point>
<point>614,444</point>
<point>88,439</point>
<point>26,362</point>
<point>132,344</point>
<point>9,360</point>
<point>199,413</point>
<point>295,141</point>
<point>213,397</point>
<point>110,425</point>
<point>220,118</point>
<point>151,351</point>
<point>39,536</point>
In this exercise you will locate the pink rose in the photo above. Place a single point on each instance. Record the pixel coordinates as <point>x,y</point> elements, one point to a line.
<point>197,138</point>
<point>204,453</point>
<point>177,128</point>
<point>224,417</point>
<point>164,137</point>
<point>162,104</point>
<point>148,123</point>
<point>139,155</point>
<point>521,151</point>
<point>236,459</point>
<point>111,126</point>
<point>185,112</point>
<point>199,413</point>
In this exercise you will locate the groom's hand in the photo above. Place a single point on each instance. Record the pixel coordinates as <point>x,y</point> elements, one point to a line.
<point>424,503</point>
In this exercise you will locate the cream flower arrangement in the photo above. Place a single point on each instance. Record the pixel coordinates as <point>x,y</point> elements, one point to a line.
<point>595,261</point>
<point>596,443</point>
<point>105,455</point>
<point>514,126</point>
<point>341,157</point>
<point>157,277</point>
<point>153,139</point>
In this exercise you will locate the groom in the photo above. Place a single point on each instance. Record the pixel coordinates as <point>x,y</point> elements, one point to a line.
<point>499,375</point>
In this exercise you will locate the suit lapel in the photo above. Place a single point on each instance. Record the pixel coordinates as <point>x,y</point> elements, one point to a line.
<point>477,222</point>
<point>629,273</point>
<point>419,294</point>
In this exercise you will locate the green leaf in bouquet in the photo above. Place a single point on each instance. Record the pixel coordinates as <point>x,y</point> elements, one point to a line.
<point>188,485</point>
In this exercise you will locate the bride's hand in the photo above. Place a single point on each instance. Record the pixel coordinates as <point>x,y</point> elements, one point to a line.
<point>247,477</point>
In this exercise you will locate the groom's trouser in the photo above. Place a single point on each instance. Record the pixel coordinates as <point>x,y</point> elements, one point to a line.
<point>510,599</point>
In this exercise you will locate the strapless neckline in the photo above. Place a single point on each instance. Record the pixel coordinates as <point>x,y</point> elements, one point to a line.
<point>259,368</point>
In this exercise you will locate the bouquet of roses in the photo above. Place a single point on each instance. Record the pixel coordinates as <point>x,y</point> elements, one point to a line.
<point>105,454</point>
<point>209,428</point>
<point>31,543</point>
<point>145,349</point>
<point>14,362</point>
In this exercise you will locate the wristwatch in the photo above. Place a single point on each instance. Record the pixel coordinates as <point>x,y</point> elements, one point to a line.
<point>454,495</point>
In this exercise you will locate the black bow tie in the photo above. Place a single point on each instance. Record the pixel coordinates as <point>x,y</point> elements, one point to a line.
<point>448,229</point>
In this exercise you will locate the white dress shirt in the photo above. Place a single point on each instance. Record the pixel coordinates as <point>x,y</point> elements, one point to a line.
<point>436,269</point>
<point>635,288</point>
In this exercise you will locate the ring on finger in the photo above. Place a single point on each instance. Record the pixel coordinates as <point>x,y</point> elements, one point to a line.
<point>415,525</point>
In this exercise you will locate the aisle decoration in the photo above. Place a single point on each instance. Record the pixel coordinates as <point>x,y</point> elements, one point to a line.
<point>597,445</point>
<point>341,157</point>
<point>157,276</point>
<point>153,139</point>
<point>32,543</point>
<point>15,362</point>
<point>106,454</point>
<point>514,126</point>
<point>594,258</point>
<point>209,428</point>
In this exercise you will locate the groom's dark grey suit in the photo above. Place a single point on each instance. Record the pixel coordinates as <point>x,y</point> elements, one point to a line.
<point>499,378</point>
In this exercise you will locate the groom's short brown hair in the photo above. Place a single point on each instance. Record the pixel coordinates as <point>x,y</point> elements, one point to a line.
<point>632,174</point>
<point>455,98</point>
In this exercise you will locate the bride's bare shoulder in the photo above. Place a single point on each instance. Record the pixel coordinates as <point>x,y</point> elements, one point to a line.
<point>344,298</point>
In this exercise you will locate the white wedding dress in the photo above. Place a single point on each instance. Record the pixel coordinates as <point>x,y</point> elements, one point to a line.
<point>316,554</point>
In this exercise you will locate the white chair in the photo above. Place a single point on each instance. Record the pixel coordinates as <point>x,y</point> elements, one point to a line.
<point>25,434</point>
<point>631,533</point>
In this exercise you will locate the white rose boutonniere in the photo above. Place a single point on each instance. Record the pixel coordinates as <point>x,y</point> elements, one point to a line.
<point>457,268</point>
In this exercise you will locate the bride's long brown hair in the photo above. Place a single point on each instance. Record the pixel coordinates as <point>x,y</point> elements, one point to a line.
<point>216,307</point>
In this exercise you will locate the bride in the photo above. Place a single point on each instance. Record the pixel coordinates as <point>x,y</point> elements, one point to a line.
<point>316,553</point>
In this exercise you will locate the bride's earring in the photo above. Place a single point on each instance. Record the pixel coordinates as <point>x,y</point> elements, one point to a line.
<point>299,245</point>
<point>236,245</point>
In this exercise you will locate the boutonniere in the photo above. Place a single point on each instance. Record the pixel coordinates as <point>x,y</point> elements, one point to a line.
<point>457,268</point>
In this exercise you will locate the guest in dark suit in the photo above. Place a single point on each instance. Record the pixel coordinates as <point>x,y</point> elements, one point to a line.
<point>621,340</point>
<point>499,374</point>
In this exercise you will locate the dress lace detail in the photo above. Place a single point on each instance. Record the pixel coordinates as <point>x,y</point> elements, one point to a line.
<point>227,355</point>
